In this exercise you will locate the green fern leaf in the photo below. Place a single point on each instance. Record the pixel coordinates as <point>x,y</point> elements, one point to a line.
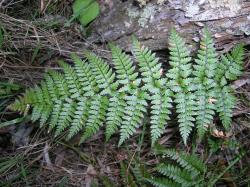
<point>151,72</point>
<point>204,72</point>
<point>134,113</point>
<point>189,162</point>
<point>159,113</point>
<point>182,84</point>
<point>55,114</point>
<point>176,174</point>
<point>65,116</point>
<point>60,84</point>
<point>124,69</point>
<point>103,74</point>
<point>115,113</point>
<point>71,79</point>
<point>96,117</point>
<point>83,97</point>
<point>150,67</point>
<point>163,182</point>
<point>79,117</point>
<point>233,62</point>
<point>225,104</point>
<point>85,76</point>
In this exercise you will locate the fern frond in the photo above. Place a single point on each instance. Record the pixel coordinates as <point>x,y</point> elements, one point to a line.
<point>189,162</point>
<point>187,170</point>
<point>182,84</point>
<point>83,97</point>
<point>103,74</point>
<point>230,68</point>
<point>96,116</point>
<point>134,113</point>
<point>204,72</point>
<point>124,68</point>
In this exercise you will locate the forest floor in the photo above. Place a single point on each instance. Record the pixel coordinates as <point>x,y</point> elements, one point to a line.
<point>34,40</point>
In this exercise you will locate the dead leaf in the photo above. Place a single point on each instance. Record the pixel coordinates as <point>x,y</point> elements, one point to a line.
<point>212,100</point>
<point>59,158</point>
<point>239,83</point>
<point>46,156</point>
<point>218,134</point>
<point>91,173</point>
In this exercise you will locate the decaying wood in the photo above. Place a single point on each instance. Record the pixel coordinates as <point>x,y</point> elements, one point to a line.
<point>228,20</point>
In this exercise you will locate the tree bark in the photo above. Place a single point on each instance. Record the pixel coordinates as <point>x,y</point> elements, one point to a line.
<point>227,20</point>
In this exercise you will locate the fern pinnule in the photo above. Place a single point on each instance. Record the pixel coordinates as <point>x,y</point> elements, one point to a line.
<point>47,102</point>
<point>52,90</point>
<point>182,84</point>
<point>103,74</point>
<point>204,72</point>
<point>40,100</point>
<point>55,114</point>
<point>23,103</point>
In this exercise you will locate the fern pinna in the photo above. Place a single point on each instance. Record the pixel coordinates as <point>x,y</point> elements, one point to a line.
<point>204,72</point>
<point>155,85</point>
<point>229,69</point>
<point>84,97</point>
<point>182,84</point>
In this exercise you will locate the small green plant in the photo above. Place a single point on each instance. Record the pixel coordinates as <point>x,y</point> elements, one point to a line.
<point>229,69</point>
<point>92,93</point>
<point>85,11</point>
<point>184,169</point>
<point>187,170</point>
<point>133,174</point>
